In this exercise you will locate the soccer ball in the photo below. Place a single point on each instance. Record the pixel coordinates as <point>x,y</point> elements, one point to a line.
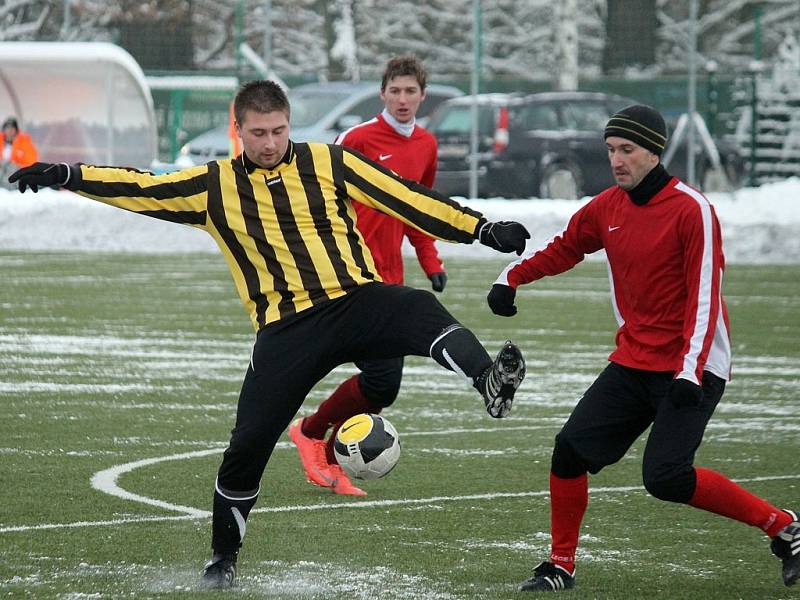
<point>367,446</point>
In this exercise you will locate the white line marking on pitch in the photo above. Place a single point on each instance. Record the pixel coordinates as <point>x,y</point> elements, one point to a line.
<point>198,514</point>
<point>106,480</point>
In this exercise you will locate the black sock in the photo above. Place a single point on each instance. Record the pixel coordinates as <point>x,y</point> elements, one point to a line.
<point>457,349</point>
<point>229,518</point>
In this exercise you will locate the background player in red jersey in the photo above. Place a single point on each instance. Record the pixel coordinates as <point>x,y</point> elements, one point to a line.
<point>394,140</point>
<point>672,359</point>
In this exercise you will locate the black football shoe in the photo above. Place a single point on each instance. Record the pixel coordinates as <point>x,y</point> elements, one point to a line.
<point>220,572</point>
<point>548,577</point>
<point>498,382</point>
<point>786,546</point>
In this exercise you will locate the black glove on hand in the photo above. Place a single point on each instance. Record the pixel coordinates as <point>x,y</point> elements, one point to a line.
<point>501,300</point>
<point>505,236</point>
<point>683,393</point>
<point>438,281</point>
<point>41,175</point>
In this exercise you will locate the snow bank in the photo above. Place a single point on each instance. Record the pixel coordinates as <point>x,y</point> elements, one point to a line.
<point>758,224</point>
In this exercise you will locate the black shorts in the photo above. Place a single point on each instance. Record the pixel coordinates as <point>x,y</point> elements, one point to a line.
<point>376,321</point>
<point>618,407</point>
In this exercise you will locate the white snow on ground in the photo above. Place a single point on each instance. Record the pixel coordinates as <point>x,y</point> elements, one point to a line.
<point>759,225</point>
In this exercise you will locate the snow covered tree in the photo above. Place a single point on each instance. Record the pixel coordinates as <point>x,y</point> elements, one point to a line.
<point>347,39</point>
<point>342,48</point>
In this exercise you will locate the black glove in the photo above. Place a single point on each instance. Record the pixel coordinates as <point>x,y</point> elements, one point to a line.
<point>501,300</point>
<point>41,175</point>
<point>438,281</point>
<point>505,236</point>
<point>683,393</point>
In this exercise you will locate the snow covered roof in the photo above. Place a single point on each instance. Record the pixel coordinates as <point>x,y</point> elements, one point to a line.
<point>193,82</point>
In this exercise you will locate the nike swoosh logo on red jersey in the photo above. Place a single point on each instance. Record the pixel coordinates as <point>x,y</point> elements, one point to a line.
<point>610,228</point>
<point>384,156</point>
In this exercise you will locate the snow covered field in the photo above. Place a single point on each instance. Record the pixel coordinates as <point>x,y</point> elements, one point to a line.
<point>759,225</point>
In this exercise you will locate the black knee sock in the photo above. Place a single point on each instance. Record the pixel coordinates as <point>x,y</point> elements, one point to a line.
<point>229,518</point>
<point>457,349</point>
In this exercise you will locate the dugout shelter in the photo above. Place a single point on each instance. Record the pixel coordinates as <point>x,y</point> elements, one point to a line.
<point>80,101</point>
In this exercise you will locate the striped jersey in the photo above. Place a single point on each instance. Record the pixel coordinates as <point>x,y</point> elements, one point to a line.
<point>288,233</point>
<point>665,267</point>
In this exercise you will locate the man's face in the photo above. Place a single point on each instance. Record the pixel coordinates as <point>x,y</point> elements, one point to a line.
<point>629,161</point>
<point>9,132</point>
<point>402,97</point>
<point>265,136</point>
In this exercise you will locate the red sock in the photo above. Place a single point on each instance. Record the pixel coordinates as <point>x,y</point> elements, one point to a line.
<point>342,404</point>
<point>718,494</point>
<point>568,501</point>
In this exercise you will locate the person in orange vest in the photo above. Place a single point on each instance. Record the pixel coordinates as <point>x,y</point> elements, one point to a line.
<point>16,148</point>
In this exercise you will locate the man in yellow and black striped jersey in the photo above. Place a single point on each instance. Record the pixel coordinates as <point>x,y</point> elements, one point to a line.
<point>281,215</point>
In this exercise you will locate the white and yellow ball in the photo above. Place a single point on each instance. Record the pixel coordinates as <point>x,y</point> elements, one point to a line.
<point>367,446</point>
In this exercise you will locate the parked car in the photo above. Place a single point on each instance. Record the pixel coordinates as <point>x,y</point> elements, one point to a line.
<point>545,145</point>
<point>320,112</point>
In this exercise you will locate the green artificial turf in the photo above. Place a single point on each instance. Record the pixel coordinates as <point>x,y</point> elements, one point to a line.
<point>108,359</point>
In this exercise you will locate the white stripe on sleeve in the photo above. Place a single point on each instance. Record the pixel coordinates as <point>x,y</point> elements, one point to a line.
<point>703,313</point>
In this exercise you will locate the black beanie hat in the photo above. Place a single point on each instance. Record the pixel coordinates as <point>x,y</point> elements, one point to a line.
<point>10,122</point>
<point>640,124</point>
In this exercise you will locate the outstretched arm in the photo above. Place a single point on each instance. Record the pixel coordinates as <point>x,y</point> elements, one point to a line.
<point>179,197</point>
<point>559,254</point>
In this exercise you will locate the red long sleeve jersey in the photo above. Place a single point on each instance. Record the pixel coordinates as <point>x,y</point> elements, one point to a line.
<point>665,267</point>
<point>412,158</point>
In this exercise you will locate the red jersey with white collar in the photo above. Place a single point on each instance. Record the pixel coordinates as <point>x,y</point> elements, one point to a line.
<point>665,267</point>
<point>413,158</point>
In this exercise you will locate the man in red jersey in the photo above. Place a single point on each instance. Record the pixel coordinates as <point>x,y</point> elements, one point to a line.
<point>672,359</point>
<point>394,140</point>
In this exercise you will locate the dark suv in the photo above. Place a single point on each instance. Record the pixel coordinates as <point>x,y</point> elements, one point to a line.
<point>546,145</point>
<point>550,145</point>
